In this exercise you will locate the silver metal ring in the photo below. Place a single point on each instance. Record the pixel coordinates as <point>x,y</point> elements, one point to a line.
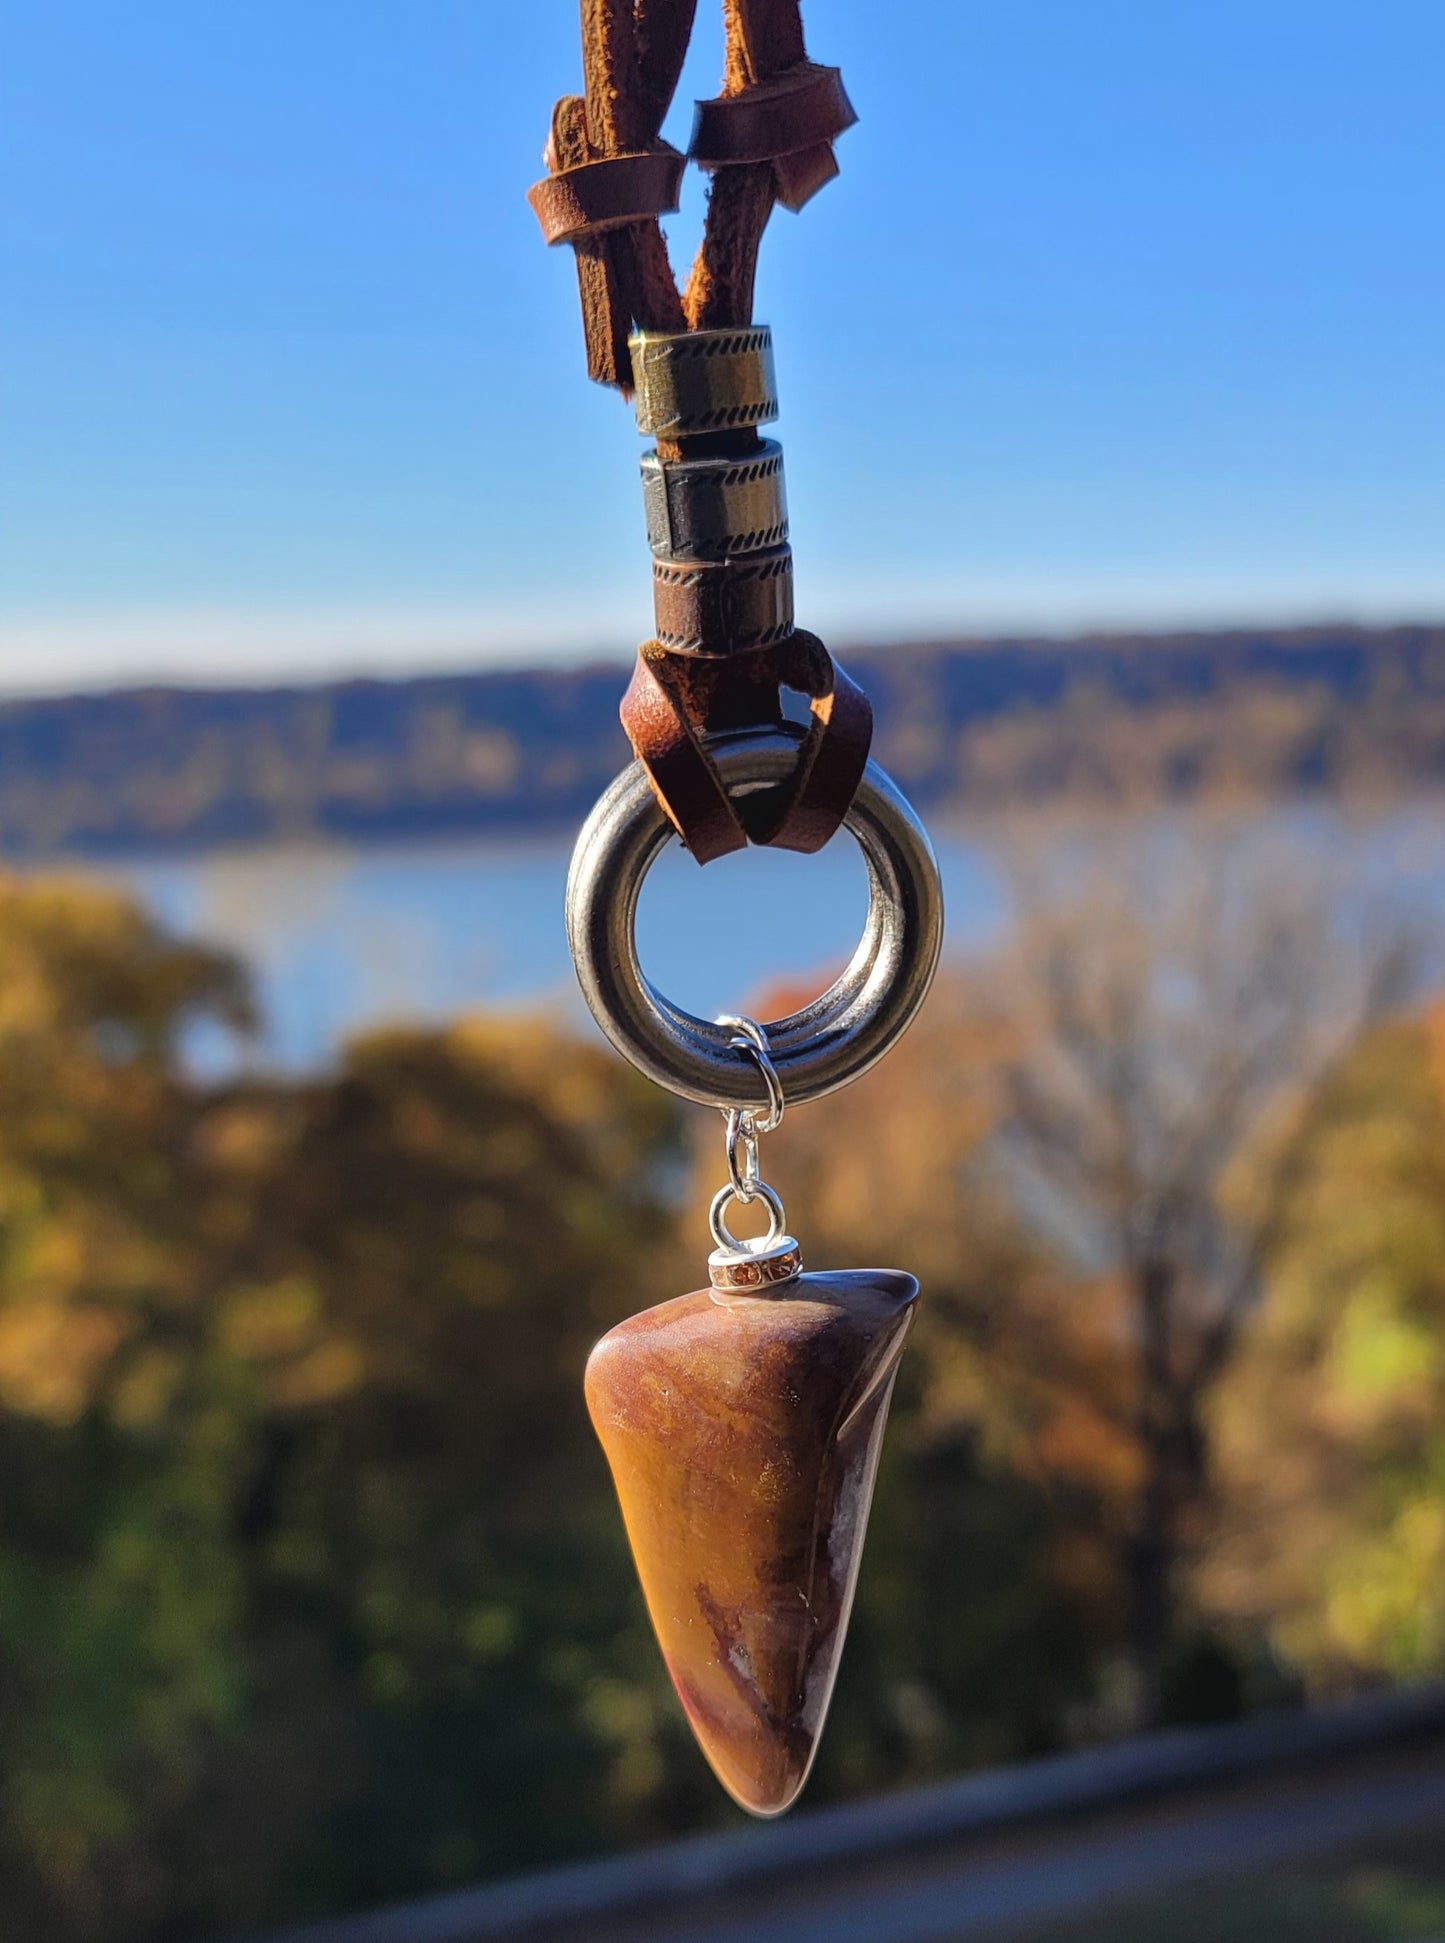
<point>815,1050</point>
<point>744,1160</point>
<point>723,1235</point>
<point>750,1038</point>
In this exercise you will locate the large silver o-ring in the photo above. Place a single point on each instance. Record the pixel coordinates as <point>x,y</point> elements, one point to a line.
<point>816,1050</point>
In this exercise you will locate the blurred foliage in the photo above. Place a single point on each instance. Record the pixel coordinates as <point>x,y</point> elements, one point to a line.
<point>312,1588</point>
<point>1331,1430</point>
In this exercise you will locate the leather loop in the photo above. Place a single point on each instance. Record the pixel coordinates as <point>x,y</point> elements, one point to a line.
<point>798,177</point>
<point>592,198</point>
<point>834,752</point>
<point>674,702</point>
<point>632,54</point>
<point>769,136</point>
<point>726,641</point>
<point>656,714</point>
<point>790,118</point>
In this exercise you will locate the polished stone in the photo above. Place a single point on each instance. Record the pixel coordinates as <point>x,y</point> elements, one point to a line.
<point>743,1433</point>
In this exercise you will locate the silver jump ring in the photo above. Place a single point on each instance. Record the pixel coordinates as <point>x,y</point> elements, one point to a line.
<point>749,1037</point>
<point>723,1235</point>
<point>744,1164</point>
<point>815,1050</point>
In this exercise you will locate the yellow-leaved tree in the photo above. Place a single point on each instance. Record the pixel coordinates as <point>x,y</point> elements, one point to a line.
<point>1331,1429</point>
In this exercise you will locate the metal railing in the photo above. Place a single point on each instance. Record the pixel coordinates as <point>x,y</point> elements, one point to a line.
<point>1337,1774</point>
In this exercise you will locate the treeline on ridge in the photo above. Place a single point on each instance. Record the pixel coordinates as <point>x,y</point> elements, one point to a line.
<point>1099,720</point>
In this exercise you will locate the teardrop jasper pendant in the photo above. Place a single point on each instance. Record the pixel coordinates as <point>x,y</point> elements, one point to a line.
<point>742,1424</point>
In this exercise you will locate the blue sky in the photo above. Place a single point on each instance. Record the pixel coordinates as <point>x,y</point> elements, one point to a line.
<point>1126,312</point>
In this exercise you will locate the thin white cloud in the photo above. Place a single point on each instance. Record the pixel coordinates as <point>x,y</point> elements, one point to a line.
<point>49,652</point>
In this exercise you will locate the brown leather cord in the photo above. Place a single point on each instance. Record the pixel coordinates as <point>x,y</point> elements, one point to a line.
<point>728,645</point>
<point>665,699</point>
<point>675,702</point>
<point>763,38</point>
<point>834,753</point>
<point>673,705</point>
<point>586,201</point>
<point>720,289</point>
<point>791,121</point>
<point>632,56</point>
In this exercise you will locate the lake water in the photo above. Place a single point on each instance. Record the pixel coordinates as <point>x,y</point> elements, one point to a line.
<point>340,939</point>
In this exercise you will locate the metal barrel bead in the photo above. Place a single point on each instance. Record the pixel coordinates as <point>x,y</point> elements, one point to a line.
<point>693,382</point>
<point>712,509</point>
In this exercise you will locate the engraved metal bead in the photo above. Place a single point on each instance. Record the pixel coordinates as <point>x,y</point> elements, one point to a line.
<point>721,607</point>
<point>712,509</point>
<point>703,381</point>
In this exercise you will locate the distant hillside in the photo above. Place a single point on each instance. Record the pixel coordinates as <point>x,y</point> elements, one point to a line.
<point>967,723</point>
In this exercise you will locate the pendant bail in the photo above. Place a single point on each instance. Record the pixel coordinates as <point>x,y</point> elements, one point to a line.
<point>752,1265</point>
<point>774,1257</point>
<point>762,1262</point>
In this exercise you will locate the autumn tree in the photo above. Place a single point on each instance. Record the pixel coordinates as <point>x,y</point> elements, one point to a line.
<point>310,1591</point>
<point>313,1590</point>
<point>118,1609</point>
<point>1180,1005</point>
<point>1330,1430</point>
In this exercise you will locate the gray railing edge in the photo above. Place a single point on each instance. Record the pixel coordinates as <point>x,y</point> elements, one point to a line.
<point>975,1804</point>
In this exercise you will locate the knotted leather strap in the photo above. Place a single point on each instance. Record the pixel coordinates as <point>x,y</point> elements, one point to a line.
<point>767,137</point>
<point>791,121</point>
<point>632,55</point>
<point>674,702</point>
<point>579,204</point>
